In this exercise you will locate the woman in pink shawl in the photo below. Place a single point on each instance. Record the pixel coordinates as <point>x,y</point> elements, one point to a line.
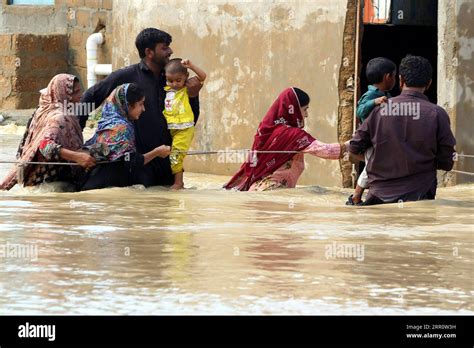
<point>52,135</point>
<point>281,130</point>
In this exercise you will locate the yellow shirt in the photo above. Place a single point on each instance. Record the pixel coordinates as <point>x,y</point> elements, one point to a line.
<point>178,112</point>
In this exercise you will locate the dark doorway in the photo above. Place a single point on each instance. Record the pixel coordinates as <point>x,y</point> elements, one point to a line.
<point>395,42</point>
<point>394,37</point>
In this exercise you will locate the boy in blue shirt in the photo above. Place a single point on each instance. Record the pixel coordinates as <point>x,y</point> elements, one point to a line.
<point>381,74</point>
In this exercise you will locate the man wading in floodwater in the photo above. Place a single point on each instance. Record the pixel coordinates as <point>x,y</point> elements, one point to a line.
<point>409,145</point>
<point>151,129</point>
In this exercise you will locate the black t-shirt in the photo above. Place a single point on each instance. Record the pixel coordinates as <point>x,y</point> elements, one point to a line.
<point>151,130</point>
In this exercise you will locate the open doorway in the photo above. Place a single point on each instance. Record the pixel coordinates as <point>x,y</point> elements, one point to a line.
<point>395,28</point>
<point>395,42</point>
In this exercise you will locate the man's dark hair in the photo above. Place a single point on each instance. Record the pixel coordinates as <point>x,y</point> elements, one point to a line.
<point>377,68</point>
<point>417,71</point>
<point>149,38</point>
<point>134,93</point>
<point>174,66</point>
<point>303,97</point>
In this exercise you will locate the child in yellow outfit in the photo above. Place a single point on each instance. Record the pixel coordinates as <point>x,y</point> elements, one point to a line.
<point>178,113</point>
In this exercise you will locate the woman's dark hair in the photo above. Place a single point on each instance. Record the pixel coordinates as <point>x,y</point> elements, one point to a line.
<point>416,71</point>
<point>303,97</point>
<point>149,38</point>
<point>134,94</point>
<point>377,68</point>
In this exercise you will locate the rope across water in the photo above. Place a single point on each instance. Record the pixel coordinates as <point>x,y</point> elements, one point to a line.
<point>203,152</point>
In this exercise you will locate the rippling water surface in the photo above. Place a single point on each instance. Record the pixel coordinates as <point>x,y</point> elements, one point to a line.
<point>208,251</point>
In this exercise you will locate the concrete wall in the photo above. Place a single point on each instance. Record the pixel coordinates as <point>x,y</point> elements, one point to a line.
<point>456,76</point>
<point>75,20</point>
<point>32,19</point>
<point>27,63</point>
<point>251,50</point>
<point>85,17</point>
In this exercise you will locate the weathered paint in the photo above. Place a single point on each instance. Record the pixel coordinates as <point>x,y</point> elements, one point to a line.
<point>456,75</point>
<point>251,50</point>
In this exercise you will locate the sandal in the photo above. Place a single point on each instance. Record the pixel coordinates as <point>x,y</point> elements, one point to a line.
<point>350,201</point>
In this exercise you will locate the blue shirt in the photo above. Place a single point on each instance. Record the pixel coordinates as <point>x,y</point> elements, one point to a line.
<point>367,102</point>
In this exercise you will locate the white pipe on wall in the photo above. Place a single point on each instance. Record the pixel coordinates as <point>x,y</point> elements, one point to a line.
<point>94,69</point>
<point>103,69</point>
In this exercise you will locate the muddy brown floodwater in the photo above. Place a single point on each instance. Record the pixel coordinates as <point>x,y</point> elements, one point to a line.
<point>209,251</point>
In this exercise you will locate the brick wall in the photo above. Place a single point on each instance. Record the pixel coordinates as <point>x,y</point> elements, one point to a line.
<point>27,63</point>
<point>85,17</point>
<point>31,56</point>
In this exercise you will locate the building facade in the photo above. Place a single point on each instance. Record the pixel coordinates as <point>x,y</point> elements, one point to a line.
<point>251,50</point>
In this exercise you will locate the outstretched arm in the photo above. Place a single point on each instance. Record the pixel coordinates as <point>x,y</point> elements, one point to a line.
<point>361,139</point>
<point>84,159</point>
<point>161,151</point>
<point>194,86</point>
<point>199,72</point>
<point>327,151</point>
<point>445,143</point>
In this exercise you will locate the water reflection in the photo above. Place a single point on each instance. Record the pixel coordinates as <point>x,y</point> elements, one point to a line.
<point>204,250</point>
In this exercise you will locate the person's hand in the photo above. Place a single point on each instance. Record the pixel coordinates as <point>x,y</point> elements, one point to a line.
<point>85,160</point>
<point>194,85</point>
<point>186,63</point>
<point>355,158</point>
<point>380,100</point>
<point>163,151</point>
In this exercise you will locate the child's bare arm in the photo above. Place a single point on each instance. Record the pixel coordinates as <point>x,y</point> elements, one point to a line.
<point>380,100</point>
<point>199,72</point>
